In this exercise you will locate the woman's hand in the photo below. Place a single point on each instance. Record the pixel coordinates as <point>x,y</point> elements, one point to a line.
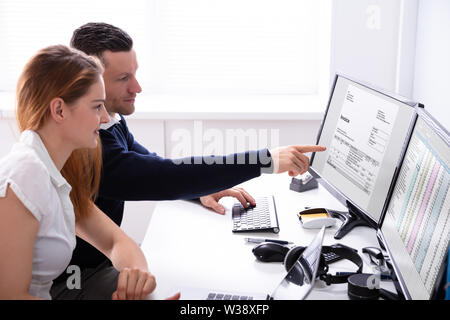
<point>134,284</point>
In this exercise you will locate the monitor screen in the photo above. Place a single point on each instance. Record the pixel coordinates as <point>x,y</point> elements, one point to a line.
<point>364,131</point>
<point>416,225</point>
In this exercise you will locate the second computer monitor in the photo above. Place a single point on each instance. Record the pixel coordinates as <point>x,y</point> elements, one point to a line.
<point>416,225</point>
<point>364,131</point>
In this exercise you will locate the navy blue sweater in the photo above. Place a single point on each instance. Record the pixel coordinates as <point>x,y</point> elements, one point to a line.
<point>131,172</point>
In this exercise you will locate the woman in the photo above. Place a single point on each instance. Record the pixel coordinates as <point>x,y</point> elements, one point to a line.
<point>49,180</point>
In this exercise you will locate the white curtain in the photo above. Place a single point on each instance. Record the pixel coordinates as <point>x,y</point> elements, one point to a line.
<point>185,47</point>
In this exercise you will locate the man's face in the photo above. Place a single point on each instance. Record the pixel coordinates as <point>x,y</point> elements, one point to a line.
<point>121,85</point>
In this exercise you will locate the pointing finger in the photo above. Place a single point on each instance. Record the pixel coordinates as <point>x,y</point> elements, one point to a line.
<point>310,148</point>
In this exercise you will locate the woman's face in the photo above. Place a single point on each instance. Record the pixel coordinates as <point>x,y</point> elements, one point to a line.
<point>86,115</point>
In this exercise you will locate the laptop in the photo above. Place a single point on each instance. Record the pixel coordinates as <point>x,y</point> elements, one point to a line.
<point>296,284</point>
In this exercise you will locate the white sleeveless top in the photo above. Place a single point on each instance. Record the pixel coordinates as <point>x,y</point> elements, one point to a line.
<point>32,175</point>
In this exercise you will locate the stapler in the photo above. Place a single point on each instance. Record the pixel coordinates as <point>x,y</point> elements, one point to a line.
<point>305,183</point>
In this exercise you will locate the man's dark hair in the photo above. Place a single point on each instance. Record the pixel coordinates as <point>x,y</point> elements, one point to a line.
<point>94,38</point>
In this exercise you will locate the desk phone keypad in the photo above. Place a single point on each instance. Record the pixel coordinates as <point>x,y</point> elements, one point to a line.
<point>331,257</point>
<point>262,217</point>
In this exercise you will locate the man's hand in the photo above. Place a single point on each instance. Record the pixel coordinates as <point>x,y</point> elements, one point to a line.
<point>292,159</point>
<point>212,200</point>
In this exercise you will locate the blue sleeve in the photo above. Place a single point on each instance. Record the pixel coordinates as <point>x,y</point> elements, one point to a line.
<point>133,145</point>
<point>136,174</point>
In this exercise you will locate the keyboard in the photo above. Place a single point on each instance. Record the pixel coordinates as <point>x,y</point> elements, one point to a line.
<point>224,296</point>
<point>262,217</point>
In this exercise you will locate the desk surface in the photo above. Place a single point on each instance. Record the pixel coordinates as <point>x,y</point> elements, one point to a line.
<point>187,245</point>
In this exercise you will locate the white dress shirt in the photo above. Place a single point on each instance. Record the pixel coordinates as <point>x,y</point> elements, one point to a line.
<point>112,121</point>
<point>32,175</point>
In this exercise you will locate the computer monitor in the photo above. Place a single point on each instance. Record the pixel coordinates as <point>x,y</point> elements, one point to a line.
<point>364,130</point>
<point>415,228</point>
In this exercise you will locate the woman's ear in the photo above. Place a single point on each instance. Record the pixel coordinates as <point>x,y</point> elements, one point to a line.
<point>57,111</point>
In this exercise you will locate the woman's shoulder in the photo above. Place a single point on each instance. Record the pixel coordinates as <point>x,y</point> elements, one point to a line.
<point>26,175</point>
<point>22,161</point>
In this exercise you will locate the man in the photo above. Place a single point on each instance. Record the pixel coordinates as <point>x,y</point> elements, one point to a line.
<point>131,172</point>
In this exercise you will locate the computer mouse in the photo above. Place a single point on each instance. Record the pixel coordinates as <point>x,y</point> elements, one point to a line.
<point>270,252</point>
<point>317,223</point>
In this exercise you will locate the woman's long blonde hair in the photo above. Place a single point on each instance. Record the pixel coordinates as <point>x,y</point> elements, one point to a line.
<point>59,71</point>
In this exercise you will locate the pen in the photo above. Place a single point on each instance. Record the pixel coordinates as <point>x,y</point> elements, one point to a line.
<point>260,240</point>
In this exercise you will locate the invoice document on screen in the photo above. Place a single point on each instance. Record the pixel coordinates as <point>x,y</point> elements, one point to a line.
<point>360,139</point>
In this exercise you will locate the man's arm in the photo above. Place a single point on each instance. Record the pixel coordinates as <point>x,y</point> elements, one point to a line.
<point>129,175</point>
<point>209,201</point>
<point>133,173</point>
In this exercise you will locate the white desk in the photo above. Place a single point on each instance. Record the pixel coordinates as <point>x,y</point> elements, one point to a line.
<point>187,245</point>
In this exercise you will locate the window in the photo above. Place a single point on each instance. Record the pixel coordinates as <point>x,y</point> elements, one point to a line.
<point>27,26</point>
<point>189,48</point>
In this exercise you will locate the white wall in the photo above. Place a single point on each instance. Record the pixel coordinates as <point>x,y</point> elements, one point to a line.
<point>365,40</point>
<point>402,46</point>
<point>432,63</point>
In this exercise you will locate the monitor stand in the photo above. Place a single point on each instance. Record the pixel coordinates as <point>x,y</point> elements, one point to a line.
<point>350,219</point>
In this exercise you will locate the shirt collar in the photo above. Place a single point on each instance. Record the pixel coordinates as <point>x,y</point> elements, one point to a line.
<point>33,140</point>
<point>112,121</point>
